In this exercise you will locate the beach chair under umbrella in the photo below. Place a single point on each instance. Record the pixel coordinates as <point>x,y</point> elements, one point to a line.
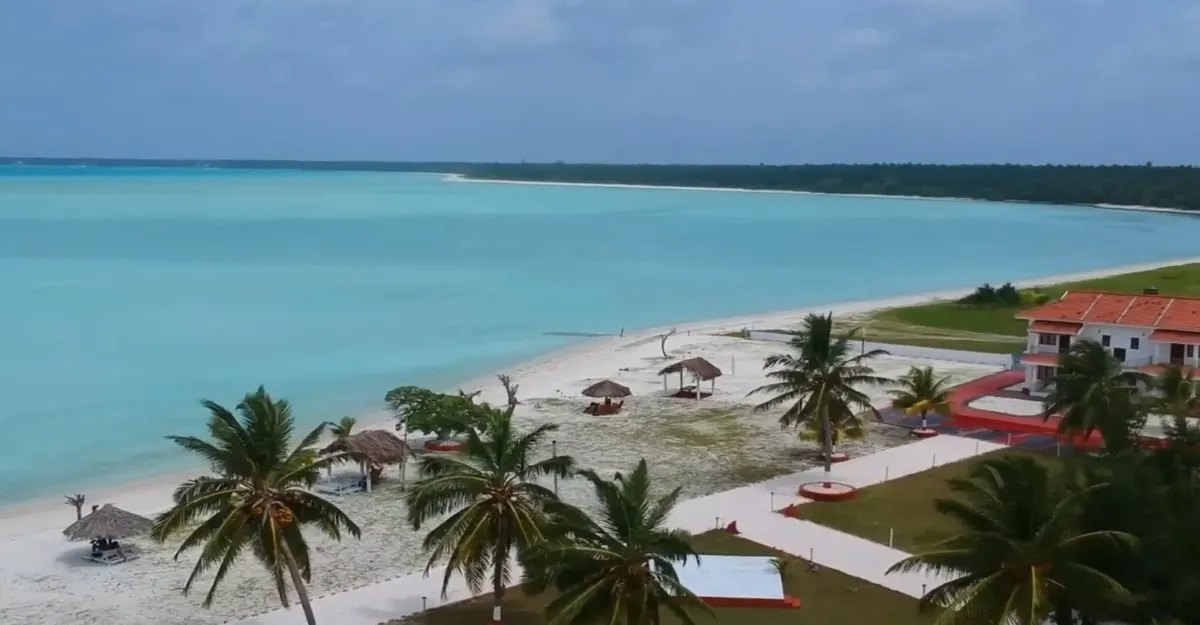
<point>106,527</point>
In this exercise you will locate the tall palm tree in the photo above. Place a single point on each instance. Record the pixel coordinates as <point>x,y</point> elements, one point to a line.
<point>922,392</point>
<point>495,505</point>
<point>1178,392</point>
<point>77,500</point>
<point>257,500</point>
<point>819,382</point>
<point>1020,556</point>
<point>1092,393</point>
<point>619,567</point>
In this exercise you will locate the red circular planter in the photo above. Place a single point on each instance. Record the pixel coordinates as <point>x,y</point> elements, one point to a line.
<point>444,446</point>
<point>924,433</point>
<point>836,457</point>
<point>837,491</point>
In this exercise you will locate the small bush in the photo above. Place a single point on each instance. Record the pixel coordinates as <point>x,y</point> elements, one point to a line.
<point>1005,296</point>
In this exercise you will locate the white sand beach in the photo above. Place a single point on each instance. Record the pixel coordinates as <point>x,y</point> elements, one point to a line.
<point>707,446</point>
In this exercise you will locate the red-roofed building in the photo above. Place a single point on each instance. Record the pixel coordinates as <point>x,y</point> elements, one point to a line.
<point>1143,331</point>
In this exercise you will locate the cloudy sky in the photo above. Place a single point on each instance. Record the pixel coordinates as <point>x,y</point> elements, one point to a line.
<point>604,80</point>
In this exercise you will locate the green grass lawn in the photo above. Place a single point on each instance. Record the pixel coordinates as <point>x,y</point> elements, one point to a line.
<point>828,598</point>
<point>904,505</point>
<point>951,326</point>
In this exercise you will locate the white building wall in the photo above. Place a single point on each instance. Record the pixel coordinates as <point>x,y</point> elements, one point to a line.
<point>1121,337</point>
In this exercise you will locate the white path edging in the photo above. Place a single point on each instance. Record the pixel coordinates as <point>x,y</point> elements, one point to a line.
<point>753,507</point>
<point>909,351</point>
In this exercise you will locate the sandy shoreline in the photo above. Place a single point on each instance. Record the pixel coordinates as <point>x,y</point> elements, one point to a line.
<point>549,361</point>
<point>721,445</point>
<point>465,178</point>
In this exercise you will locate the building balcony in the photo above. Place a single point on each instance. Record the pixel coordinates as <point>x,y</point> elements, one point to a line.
<point>1046,349</point>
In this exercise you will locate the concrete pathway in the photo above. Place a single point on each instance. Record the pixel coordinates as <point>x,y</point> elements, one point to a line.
<point>753,507</point>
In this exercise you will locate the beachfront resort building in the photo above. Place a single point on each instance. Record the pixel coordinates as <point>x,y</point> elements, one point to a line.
<point>1142,331</point>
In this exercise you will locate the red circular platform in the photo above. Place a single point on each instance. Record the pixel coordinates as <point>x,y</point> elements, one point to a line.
<point>836,457</point>
<point>836,491</point>
<point>443,445</point>
<point>924,432</point>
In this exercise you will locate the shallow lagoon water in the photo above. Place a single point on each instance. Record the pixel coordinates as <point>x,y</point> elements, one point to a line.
<point>129,294</point>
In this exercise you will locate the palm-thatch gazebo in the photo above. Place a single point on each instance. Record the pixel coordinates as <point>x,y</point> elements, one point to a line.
<point>701,369</point>
<point>372,447</point>
<point>108,523</point>
<point>606,390</point>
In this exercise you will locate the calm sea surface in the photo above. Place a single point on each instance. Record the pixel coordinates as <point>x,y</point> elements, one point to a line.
<point>128,295</point>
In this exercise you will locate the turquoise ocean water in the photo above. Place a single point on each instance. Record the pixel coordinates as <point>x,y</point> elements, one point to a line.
<point>128,295</point>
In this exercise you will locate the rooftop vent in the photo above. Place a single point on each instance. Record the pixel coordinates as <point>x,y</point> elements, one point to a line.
<point>1150,290</point>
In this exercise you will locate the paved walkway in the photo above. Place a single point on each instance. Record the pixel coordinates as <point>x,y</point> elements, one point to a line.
<point>753,507</point>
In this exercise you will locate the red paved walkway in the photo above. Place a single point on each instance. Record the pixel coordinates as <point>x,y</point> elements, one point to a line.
<point>963,416</point>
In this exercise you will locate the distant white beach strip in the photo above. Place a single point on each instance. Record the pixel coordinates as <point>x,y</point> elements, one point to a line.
<point>1143,209</point>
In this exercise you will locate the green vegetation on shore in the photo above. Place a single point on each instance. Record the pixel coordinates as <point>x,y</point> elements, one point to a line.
<point>987,327</point>
<point>1165,187</point>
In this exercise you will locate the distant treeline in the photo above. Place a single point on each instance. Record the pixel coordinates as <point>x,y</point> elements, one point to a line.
<point>1167,187</point>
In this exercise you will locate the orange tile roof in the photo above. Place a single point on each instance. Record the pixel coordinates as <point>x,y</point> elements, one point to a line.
<point>1040,359</point>
<point>1056,327</point>
<point>1175,336</point>
<point>1145,311</point>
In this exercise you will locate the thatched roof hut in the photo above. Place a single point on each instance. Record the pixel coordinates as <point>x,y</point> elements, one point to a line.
<point>376,446</point>
<point>607,388</point>
<point>698,367</point>
<point>108,522</point>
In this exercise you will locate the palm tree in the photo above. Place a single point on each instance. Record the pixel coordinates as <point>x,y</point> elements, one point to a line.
<point>1178,393</point>
<point>619,567</point>
<point>1020,556</point>
<point>1092,393</point>
<point>343,428</point>
<point>922,392</point>
<point>257,499</point>
<point>77,500</point>
<point>494,503</point>
<point>819,382</point>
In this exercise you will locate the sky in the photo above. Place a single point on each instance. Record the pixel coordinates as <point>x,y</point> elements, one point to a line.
<point>634,81</point>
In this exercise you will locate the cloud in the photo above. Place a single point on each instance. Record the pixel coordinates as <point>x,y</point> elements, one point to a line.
<point>635,80</point>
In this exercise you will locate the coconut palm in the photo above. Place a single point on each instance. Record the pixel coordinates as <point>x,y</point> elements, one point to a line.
<point>343,428</point>
<point>257,500</point>
<point>1178,393</point>
<point>494,504</point>
<point>818,381</point>
<point>77,500</point>
<point>1020,558</point>
<point>1092,393</point>
<point>619,567</point>
<point>922,392</point>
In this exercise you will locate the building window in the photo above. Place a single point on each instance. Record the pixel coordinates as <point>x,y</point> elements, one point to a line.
<point>1047,339</point>
<point>1105,340</point>
<point>1119,354</point>
<point>1135,343</point>
<point>1191,351</point>
<point>1043,373</point>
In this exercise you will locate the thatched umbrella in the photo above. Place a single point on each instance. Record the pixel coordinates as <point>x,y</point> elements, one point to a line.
<point>607,389</point>
<point>699,367</point>
<point>108,522</point>
<point>373,446</point>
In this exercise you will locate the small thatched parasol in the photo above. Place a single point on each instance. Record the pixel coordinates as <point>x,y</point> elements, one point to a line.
<point>699,367</point>
<point>607,388</point>
<point>108,522</point>
<point>377,446</point>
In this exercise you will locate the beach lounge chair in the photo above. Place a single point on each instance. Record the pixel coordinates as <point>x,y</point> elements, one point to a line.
<point>339,487</point>
<point>110,557</point>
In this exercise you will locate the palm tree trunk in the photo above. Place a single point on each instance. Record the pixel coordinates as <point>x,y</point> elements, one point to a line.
<point>498,585</point>
<point>827,445</point>
<point>298,583</point>
<point>1063,615</point>
<point>924,424</point>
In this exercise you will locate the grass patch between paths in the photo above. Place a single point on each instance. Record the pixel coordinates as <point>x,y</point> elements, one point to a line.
<point>904,505</point>
<point>828,597</point>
